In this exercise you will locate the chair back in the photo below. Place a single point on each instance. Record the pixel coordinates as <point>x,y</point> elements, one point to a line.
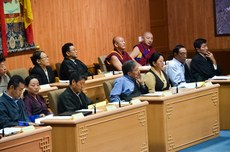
<point>188,61</point>
<point>101,61</point>
<point>108,86</point>
<point>23,72</point>
<point>58,66</point>
<point>53,99</point>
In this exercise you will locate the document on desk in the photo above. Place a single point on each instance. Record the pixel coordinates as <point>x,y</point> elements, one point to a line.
<point>220,78</point>
<point>155,94</point>
<point>64,81</point>
<point>10,131</point>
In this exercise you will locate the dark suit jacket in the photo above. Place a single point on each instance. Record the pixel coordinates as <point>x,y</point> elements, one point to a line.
<point>69,66</point>
<point>202,68</point>
<point>69,101</point>
<point>39,72</point>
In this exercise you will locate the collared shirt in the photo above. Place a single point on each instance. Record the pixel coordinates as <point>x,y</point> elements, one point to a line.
<point>175,71</point>
<point>124,84</point>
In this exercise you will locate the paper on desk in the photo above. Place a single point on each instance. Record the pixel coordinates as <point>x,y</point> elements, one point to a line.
<point>145,68</point>
<point>156,94</point>
<point>11,131</point>
<point>38,120</point>
<point>64,81</point>
<point>45,86</point>
<point>220,78</point>
<point>122,103</point>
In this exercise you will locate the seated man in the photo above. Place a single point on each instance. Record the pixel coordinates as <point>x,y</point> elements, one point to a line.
<point>71,63</point>
<point>73,98</point>
<point>118,56</point>
<point>4,78</point>
<point>143,51</point>
<point>177,69</point>
<point>203,64</point>
<point>130,85</point>
<point>12,108</point>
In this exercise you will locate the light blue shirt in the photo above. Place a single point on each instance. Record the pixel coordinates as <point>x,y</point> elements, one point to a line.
<point>175,71</point>
<point>124,84</point>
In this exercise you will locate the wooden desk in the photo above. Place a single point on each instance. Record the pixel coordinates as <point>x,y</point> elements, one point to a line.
<point>38,140</point>
<point>93,88</point>
<point>184,119</point>
<point>224,97</point>
<point>120,130</point>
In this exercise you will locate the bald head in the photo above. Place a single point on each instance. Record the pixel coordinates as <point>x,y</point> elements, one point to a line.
<point>147,38</point>
<point>119,43</point>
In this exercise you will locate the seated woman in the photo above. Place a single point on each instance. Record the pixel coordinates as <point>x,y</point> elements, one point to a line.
<point>156,79</point>
<point>42,68</point>
<point>34,103</point>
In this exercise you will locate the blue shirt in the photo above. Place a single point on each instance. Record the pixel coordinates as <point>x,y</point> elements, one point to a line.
<point>175,71</point>
<point>124,84</point>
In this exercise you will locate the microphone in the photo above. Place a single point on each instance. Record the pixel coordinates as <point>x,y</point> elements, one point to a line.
<point>119,101</point>
<point>196,85</point>
<point>3,132</point>
<point>94,109</point>
<point>177,89</point>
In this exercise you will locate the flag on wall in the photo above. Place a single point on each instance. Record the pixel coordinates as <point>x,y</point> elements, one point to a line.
<point>28,18</point>
<point>3,29</point>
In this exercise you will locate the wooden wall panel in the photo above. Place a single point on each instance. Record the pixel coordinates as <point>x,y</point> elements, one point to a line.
<point>159,24</point>
<point>188,20</point>
<point>89,24</point>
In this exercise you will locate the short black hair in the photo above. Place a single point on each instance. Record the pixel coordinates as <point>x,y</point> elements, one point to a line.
<point>36,56</point>
<point>128,66</point>
<point>76,77</point>
<point>15,80</point>
<point>154,57</point>
<point>2,58</point>
<point>177,48</point>
<point>198,42</point>
<point>65,48</point>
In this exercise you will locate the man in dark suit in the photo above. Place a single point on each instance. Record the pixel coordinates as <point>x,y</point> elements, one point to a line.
<point>73,98</point>
<point>71,63</point>
<point>203,65</point>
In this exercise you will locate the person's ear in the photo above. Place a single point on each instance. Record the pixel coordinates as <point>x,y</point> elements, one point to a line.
<point>116,45</point>
<point>38,61</point>
<point>11,87</point>
<point>154,64</point>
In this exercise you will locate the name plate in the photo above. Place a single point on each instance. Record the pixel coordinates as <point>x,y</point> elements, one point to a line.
<point>111,107</point>
<point>29,128</point>
<point>77,116</point>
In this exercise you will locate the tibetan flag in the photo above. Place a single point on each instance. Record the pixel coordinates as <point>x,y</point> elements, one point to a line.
<point>3,29</point>
<point>28,18</point>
